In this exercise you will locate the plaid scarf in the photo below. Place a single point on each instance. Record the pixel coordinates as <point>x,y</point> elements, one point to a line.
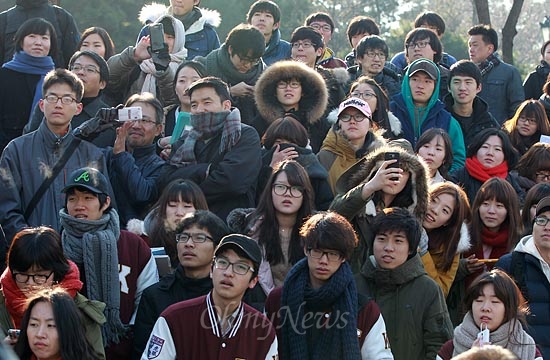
<point>205,126</point>
<point>489,63</point>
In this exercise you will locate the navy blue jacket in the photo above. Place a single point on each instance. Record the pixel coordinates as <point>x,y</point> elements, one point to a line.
<point>277,49</point>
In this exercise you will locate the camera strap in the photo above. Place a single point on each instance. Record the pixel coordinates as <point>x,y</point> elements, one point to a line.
<point>48,180</point>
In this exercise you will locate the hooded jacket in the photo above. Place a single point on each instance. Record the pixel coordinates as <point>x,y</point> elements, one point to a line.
<point>276,49</point>
<point>388,79</point>
<point>545,100</point>
<point>312,105</point>
<point>535,80</point>
<point>350,204</point>
<point>536,278</point>
<point>416,120</point>
<point>412,305</point>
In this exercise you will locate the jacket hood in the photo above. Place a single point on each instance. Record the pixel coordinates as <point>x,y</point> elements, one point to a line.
<point>314,92</point>
<point>151,12</point>
<point>179,34</point>
<point>406,91</point>
<point>385,279</point>
<point>527,245</point>
<point>365,169</point>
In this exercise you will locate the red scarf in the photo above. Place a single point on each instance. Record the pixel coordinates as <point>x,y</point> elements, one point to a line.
<point>16,300</point>
<point>483,173</point>
<point>497,240</point>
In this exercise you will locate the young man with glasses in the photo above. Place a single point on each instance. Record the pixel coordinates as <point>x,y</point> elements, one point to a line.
<point>316,312</point>
<point>27,161</point>
<point>528,265</point>
<point>371,54</point>
<point>323,23</point>
<point>219,324</point>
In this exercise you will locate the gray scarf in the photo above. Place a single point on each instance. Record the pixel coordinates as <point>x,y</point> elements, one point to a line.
<point>93,243</point>
<point>509,335</point>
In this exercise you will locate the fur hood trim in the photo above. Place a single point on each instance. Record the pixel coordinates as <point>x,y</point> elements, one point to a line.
<point>238,220</point>
<point>341,75</point>
<point>395,124</point>
<point>209,17</point>
<point>151,12</point>
<point>365,169</point>
<point>464,242</point>
<point>314,91</point>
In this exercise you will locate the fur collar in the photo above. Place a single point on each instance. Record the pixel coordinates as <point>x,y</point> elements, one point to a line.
<point>464,242</point>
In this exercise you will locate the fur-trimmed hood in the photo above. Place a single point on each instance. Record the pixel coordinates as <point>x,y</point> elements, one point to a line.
<point>464,242</point>
<point>238,220</point>
<point>151,12</point>
<point>365,169</point>
<point>314,92</point>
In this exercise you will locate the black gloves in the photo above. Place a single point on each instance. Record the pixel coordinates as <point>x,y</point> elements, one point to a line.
<point>105,118</point>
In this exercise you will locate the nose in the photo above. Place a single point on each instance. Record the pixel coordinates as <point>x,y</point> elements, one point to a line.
<point>324,258</point>
<point>491,209</point>
<point>485,306</point>
<point>388,247</point>
<point>41,332</point>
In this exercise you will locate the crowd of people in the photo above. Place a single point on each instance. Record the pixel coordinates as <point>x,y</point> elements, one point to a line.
<point>261,198</point>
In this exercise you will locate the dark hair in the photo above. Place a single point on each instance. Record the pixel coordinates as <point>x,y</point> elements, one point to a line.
<point>488,34</point>
<point>431,134</point>
<point>487,352</point>
<point>180,189</point>
<point>397,219</point>
<point>546,43</point>
<point>104,35</point>
<point>68,323</point>
<point>380,114</point>
<point>447,237</point>
<point>64,76</point>
<point>100,62</point>
<point>148,98</point>
<point>329,230</point>
<point>307,33</point>
<point>532,198</point>
<point>287,128</point>
<point>423,34</point>
<point>531,109</point>
<point>206,220</point>
<point>269,231</point>
<point>546,87</point>
<point>501,191</point>
<point>320,16</point>
<point>510,153</point>
<point>39,247</point>
<point>506,290</point>
<point>37,26</point>
<point>432,19</point>
<point>535,159</point>
<point>101,197</point>
<point>264,6</point>
<point>195,65</point>
<point>465,68</point>
<point>246,41</point>
<point>219,86</point>
<point>362,25</point>
<point>371,42</point>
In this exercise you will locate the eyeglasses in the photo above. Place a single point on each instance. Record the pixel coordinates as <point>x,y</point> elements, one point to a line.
<point>282,189</point>
<point>238,268</point>
<point>542,176</point>
<point>332,256</point>
<point>373,54</point>
<point>248,61</point>
<point>419,44</point>
<point>36,278</point>
<point>365,96</point>
<point>143,122</point>
<point>284,84</point>
<point>195,238</point>
<point>305,44</point>
<point>541,221</point>
<point>530,121</point>
<point>90,69</point>
<point>356,117</point>
<point>319,27</point>
<point>65,100</point>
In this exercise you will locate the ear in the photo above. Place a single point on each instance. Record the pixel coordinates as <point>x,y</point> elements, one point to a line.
<point>319,51</point>
<point>159,129</point>
<point>79,108</point>
<point>106,205</point>
<point>102,85</point>
<point>478,90</point>
<point>253,282</point>
<point>226,104</point>
<point>230,50</point>
<point>41,104</point>
<point>276,25</point>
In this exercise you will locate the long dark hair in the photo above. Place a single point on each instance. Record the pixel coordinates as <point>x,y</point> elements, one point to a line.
<point>531,109</point>
<point>105,37</point>
<point>510,153</point>
<point>431,134</point>
<point>68,322</point>
<point>269,230</point>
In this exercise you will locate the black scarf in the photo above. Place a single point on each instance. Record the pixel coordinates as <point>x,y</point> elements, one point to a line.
<point>489,63</point>
<point>219,64</point>
<point>338,340</point>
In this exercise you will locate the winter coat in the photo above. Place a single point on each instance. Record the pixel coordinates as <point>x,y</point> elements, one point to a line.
<point>337,155</point>
<point>545,100</point>
<point>171,289</point>
<point>480,119</point>
<point>329,61</point>
<point>311,108</point>
<point>434,116</point>
<point>349,203</point>
<point>133,177</point>
<point>317,174</point>
<point>412,305</point>
<point>388,79</point>
<point>276,49</point>
<point>24,163</point>
<point>399,60</point>
<point>535,81</point>
<point>501,88</point>
<point>535,285</point>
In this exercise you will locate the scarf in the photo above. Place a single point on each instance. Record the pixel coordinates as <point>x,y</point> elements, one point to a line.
<point>483,173</point>
<point>190,18</point>
<point>339,295</point>
<point>509,335</point>
<point>35,65</point>
<point>16,300</point>
<point>205,126</point>
<point>219,64</point>
<point>488,64</point>
<point>93,243</point>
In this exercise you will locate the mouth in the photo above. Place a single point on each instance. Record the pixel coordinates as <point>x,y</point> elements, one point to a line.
<point>322,271</point>
<point>81,216</point>
<point>430,218</point>
<point>188,254</point>
<point>226,284</point>
<point>485,319</point>
<point>387,258</point>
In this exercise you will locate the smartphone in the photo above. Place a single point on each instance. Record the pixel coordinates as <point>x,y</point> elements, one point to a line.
<point>14,333</point>
<point>156,32</point>
<point>484,335</point>
<point>392,156</point>
<point>131,113</point>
